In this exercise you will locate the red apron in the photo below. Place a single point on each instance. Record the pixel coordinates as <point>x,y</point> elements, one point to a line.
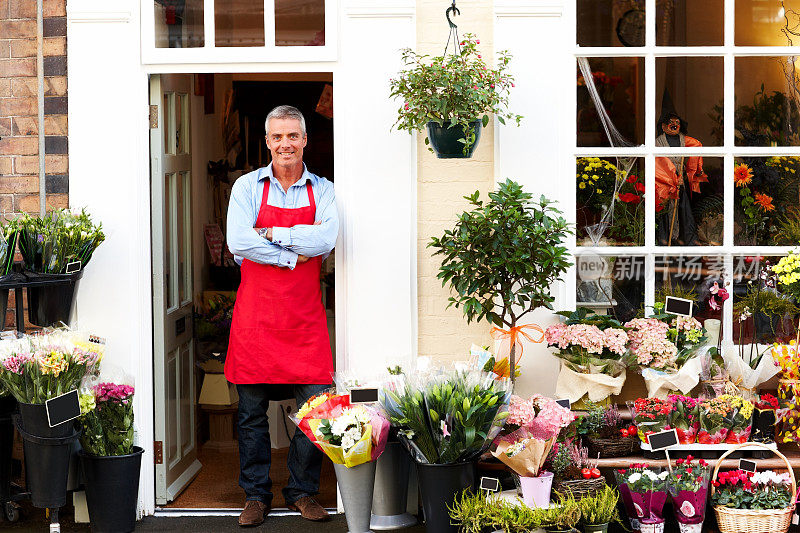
<point>279,332</point>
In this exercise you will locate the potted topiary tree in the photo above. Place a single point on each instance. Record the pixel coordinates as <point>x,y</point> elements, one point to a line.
<point>501,259</point>
<point>452,96</point>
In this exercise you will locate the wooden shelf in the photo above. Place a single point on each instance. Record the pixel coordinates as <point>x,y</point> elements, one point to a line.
<point>774,462</point>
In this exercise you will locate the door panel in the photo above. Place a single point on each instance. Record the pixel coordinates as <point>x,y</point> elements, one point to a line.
<point>170,153</point>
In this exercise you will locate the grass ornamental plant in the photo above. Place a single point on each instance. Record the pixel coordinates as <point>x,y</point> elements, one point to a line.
<point>452,90</point>
<point>502,257</point>
<point>601,507</point>
<point>49,243</point>
<point>107,419</point>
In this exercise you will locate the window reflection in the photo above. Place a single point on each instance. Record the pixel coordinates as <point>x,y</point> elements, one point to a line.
<point>610,285</point>
<point>767,201</point>
<point>767,23</point>
<point>620,86</point>
<point>610,23</point>
<point>179,23</point>
<point>689,201</point>
<point>767,91</point>
<point>689,23</point>
<point>691,277</point>
<point>299,22</point>
<point>239,22</point>
<point>691,89</point>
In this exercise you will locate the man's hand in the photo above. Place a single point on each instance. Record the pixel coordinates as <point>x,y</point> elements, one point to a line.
<point>302,259</point>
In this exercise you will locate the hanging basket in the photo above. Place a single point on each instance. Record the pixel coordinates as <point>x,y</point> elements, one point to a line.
<point>612,447</point>
<point>755,520</point>
<point>445,139</point>
<point>580,488</point>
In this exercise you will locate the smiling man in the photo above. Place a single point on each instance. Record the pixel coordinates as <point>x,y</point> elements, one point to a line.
<point>282,222</point>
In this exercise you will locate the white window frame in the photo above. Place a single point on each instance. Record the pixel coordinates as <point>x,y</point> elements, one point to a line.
<point>209,53</point>
<point>728,151</point>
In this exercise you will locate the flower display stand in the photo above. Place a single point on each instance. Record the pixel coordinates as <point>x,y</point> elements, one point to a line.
<point>706,451</point>
<point>10,493</point>
<point>49,296</point>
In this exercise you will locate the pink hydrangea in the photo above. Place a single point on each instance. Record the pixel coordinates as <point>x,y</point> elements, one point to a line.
<point>686,323</point>
<point>558,335</point>
<point>648,341</point>
<point>616,340</point>
<point>540,414</point>
<point>104,392</point>
<point>520,411</point>
<point>587,336</point>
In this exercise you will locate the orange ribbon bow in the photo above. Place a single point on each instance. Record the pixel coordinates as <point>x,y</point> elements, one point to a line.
<point>513,335</point>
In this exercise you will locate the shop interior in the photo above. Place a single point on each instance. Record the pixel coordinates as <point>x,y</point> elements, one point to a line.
<point>227,141</point>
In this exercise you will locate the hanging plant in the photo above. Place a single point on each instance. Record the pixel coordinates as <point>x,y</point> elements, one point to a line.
<point>453,92</point>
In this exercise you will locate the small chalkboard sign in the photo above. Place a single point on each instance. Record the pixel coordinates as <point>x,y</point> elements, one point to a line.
<point>74,266</point>
<point>662,439</point>
<point>747,465</point>
<point>63,408</point>
<point>363,395</point>
<point>490,484</point>
<point>678,306</point>
<point>565,403</point>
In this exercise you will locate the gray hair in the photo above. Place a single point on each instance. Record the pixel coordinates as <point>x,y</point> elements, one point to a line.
<point>286,112</point>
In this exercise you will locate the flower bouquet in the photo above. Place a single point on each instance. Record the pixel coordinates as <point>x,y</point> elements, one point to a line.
<point>644,492</point>
<point>764,418</point>
<point>754,501</point>
<point>650,415</point>
<point>787,357</point>
<point>665,346</point>
<point>741,421</point>
<point>107,419</point>
<point>715,419</point>
<point>524,450</point>
<point>685,418</point>
<point>688,487</point>
<point>8,244</point>
<point>49,243</point>
<point>593,349</point>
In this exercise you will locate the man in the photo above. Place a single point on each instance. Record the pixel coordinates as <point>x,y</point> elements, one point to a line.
<point>282,222</point>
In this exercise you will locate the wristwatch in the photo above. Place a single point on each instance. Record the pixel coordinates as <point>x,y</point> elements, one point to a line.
<point>262,232</point>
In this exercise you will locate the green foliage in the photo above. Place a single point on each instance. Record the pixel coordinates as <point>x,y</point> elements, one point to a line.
<point>49,243</point>
<point>766,302</point>
<point>789,227</point>
<point>601,507</point>
<point>506,252</point>
<point>564,514</point>
<point>455,89</point>
<point>474,513</point>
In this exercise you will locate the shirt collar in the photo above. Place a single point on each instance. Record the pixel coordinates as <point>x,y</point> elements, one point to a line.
<point>266,172</point>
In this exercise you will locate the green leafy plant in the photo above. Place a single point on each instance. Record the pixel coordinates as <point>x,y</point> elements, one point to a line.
<point>49,243</point>
<point>789,226</point>
<point>565,514</point>
<point>503,255</point>
<point>454,89</point>
<point>107,419</point>
<point>600,507</point>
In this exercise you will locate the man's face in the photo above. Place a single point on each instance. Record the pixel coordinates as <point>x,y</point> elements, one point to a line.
<point>672,127</point>
<point>286,141</point>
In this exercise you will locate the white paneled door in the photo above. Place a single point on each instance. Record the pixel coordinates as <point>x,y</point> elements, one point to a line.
<point>173,349</point>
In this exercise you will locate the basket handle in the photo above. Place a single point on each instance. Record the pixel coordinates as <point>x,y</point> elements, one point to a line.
<point>759,445</point>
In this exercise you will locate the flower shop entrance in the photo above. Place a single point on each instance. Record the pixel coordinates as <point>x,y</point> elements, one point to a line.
<point>206,131</point>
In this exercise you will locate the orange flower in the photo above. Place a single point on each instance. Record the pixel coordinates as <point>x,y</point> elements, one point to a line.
<point>764,201</point>
<point>742,175</point>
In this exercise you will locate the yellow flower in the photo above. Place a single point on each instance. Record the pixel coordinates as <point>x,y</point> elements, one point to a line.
<point>599,191</point>
<point>582,185</point>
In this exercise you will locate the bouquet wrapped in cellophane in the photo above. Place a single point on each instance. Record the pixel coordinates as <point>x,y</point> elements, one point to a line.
<point>36,368</point>
<point>61,237</point>
<point>107,413</point>
<point>348,434</point>
<point>447,416</point>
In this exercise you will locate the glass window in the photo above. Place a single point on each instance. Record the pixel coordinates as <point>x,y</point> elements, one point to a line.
<point>610,285</point>
<point>767,22</point>
<point>620,87</point>
<point>611,23</point>
<point>239,22</point>
<point>690,23</point>
<point>179,23</point>
<point>300,23</point>
<point>692,278</point>
<point>767,201</point>
<point>767,101</point>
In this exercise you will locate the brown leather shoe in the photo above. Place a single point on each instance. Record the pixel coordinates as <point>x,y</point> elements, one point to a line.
<point>310,509</point>
<point>253,513</point>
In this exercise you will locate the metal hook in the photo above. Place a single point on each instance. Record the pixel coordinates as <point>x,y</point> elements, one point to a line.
<point>455,11</point>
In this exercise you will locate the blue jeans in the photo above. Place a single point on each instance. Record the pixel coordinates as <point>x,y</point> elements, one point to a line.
<point>304,461</point>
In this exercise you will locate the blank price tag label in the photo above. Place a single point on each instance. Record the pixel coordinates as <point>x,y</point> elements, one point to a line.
<point>63,408</point>
<point>747,465</point>
<point>363,395</point>
<point>662,439</point>
<point>678,306</point>
<point>490,484</point>
<point>565,403</point>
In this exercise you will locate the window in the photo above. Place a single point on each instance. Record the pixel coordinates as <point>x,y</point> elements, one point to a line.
<point>236,31</point>
<point>687,157</point>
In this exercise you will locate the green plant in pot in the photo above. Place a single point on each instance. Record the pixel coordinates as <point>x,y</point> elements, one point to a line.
<point>599,510</point>
<point>563,517</point>
<point>501,258</point>
<point>452,96</point>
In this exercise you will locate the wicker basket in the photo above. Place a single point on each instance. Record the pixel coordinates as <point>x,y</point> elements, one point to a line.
<point>612,447</point>
<point>752,520</point>
<point>580,487</point>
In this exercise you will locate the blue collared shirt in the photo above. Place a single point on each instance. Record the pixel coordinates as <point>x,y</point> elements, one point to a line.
<point>287,243</point>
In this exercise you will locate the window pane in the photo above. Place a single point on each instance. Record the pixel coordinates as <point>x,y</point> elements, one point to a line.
<point>692,278</point>
<point>762,22</point>
<point>690,23</point>
<point>760,313</point>
<point>766,111</point>
<point>767,201</point>
<point>239,22</point>
<point>690,204</point>
<point>610,201</point>
<point>610,285</point>
<point>691,88</point>
<point>299,23</point>
<point>179,23</point>
<point>610,23</point>
<point>620,87</point>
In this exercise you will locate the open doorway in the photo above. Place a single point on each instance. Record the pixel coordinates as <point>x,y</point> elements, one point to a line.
<point>208,132</point>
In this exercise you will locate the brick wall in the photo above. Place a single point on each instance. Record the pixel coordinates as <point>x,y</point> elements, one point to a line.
<point>442,184</point>
<point>20,77</point>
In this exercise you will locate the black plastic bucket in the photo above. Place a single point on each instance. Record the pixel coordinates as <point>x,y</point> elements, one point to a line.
<point>7,407</point>
<point>112,490</point>
<point>51,303</point>
<point>47,453</point>
<point>444,140</point>
<point>440,485</point>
